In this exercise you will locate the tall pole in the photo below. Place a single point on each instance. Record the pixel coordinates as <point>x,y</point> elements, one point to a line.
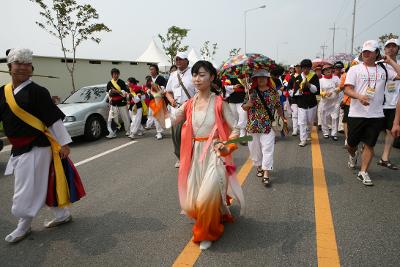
<point>323,47</point>
<point>333,39</point>
<point>354,23</point>
<point>245,25</point>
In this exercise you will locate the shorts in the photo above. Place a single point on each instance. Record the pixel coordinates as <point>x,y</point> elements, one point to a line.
<point>364,130</point>
<point>346,110</point>
<point>389,118</point>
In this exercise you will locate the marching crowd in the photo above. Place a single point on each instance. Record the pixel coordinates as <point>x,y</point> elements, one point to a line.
<point>208,118</point>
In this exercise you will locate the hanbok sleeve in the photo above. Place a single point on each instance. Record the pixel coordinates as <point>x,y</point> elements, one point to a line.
<point>229,118</point>
<point>59,131</point>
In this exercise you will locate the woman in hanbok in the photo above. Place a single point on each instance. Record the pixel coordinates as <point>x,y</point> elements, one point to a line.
<point>207,172</point>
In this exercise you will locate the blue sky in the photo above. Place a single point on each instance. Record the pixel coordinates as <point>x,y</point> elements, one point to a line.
<point>287,29</point>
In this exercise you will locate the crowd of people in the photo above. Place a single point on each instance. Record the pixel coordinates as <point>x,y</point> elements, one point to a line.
<point>209,117</point>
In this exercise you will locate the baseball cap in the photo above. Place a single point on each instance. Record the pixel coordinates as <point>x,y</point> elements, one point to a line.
<point>182,55</point>
<point>261,73</point>
<point>370,45</point>
<point>392,41</point>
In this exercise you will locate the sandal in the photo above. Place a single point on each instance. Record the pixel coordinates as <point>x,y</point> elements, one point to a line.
<point>260,172</point>
<point>387,164</point>
<point>266,181</point>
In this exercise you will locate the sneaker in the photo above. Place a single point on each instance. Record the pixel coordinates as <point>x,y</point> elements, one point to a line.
<point>326,136</point>
<point>111,135</point>
<point>127,133</point>
<point>205,244</point>
<point>334,138</point>
<point>140,133</point>
<point>15,237</point>
<point>352,161</point>
<point>308,138</point>
<point>303,143</point>
<point>159,136</point>
<point>177,164</point>
<point>364,178</point>
<point>131,136</point>
<point>294,133</point>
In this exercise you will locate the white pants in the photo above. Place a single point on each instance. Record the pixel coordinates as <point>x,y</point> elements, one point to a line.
<point>329,118</point>
<point>306,121</point>
<point>341,114</point>
<point>31,171</point>
<point>136,121</point>
<point>240,117</point>
<point>319,114</point>
<point>152,120</point>
<point>295,114</point>
<point>116,112</point>
<point>262,150</point>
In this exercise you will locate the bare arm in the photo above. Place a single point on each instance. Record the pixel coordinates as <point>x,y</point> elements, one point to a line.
<point>395,66</point>
<point>396,123</point>
<point>349,90</point>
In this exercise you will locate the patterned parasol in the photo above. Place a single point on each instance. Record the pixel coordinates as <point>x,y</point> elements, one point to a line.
<point>243,65</point>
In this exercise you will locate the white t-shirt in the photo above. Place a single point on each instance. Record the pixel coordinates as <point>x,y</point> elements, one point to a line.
<point>392,91</point>
<point>358,77</point>
<point>174,86</point>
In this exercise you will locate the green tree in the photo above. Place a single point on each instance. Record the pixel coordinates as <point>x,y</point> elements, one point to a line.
<point>384,38</point>
<point>71,23</point>
<point>207,52</point>
<point>172,42</point>
<point>234,52</point>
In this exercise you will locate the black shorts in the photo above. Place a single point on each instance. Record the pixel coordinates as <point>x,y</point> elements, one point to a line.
<point>389,118</point>
<point>346,110</point>
<point>364,130</point>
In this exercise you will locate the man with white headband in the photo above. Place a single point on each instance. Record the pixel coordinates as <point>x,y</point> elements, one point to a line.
<point>31,154</point>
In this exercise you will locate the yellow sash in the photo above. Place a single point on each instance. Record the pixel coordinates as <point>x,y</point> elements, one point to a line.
<point>61,180</point>
<point>144,106</point>
<point>116,86</point>
<point>308,78</point>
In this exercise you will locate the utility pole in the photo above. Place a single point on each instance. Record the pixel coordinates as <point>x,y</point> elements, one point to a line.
<point>354,23</point>
<point>323,47</point>
<point>333,40</point>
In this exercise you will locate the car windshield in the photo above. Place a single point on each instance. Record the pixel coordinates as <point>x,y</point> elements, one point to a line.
<point>87,95</point>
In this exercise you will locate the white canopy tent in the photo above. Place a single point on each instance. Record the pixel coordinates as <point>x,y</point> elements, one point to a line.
<point>193,58</point>
<point>154,54</point>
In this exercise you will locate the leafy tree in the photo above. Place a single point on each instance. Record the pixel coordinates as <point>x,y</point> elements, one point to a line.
<point>234,52</point>
<point>384,38</point>
<point>207,52</point>
<point>172,42</point>
<point>70,22</point>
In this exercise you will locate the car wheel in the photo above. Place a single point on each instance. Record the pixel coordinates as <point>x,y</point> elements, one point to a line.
<point>93,128</point>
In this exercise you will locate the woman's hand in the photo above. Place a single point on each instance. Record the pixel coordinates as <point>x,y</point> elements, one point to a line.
<point>219,148</point>
<point>64,151</point>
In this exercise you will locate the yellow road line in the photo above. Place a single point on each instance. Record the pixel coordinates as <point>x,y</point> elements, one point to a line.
<point>327,252</point>
<point>191,252</point>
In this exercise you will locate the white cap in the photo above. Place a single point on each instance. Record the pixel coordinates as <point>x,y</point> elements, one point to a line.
<point>291,66</point>
<point>20,55</point>
<point>392,41</point>
<point>182,55</point>
<point>370,45</point>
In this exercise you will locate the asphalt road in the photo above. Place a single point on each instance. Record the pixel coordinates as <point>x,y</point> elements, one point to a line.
<point>130,216</point>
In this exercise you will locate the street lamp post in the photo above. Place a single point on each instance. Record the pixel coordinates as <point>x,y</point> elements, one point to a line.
<point>277,50</point>
<point>245,25</point>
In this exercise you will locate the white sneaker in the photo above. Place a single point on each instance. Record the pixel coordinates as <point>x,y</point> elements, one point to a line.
<point>308,138</point>
<point>177,164</point>
<point>205,244</point>
<point>140,133</point>
<point>111,135</point>
<point>127,133</point>
<point>57,222</point>
<point>159,136</point>
<point>131,136</point>
<point>294,133</point>
<point>364,178</point>
<point>352,161</point>
<point>303,143</point>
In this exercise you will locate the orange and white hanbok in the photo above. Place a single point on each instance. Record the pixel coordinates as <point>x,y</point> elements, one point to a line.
<point>205,179</point>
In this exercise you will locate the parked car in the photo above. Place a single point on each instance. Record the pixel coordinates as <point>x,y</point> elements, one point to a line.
<point>86,112</point>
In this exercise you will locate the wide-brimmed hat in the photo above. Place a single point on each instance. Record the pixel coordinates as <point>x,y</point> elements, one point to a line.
<point>261,73</point>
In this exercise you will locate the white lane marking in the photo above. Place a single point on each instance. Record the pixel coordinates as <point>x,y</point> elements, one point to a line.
<point>6,148</point>
<point>104,153</point>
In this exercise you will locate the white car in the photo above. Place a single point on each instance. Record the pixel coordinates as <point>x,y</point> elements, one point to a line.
<point>86,112</point>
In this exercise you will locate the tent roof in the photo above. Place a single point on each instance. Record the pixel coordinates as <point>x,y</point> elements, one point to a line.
<point>154,54</point>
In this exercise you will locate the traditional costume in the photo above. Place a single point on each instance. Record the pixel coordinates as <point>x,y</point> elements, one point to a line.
<point>33,124</point>
<point>118,106</point>
<point>306,101</point>
<point>137,109</point>
<point>329,104</point>
<point>204,178</point>
<point>235,98</point>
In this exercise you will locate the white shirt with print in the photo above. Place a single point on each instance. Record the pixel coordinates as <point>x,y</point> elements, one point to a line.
<point>174,86</point>
<point>358,77</point>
